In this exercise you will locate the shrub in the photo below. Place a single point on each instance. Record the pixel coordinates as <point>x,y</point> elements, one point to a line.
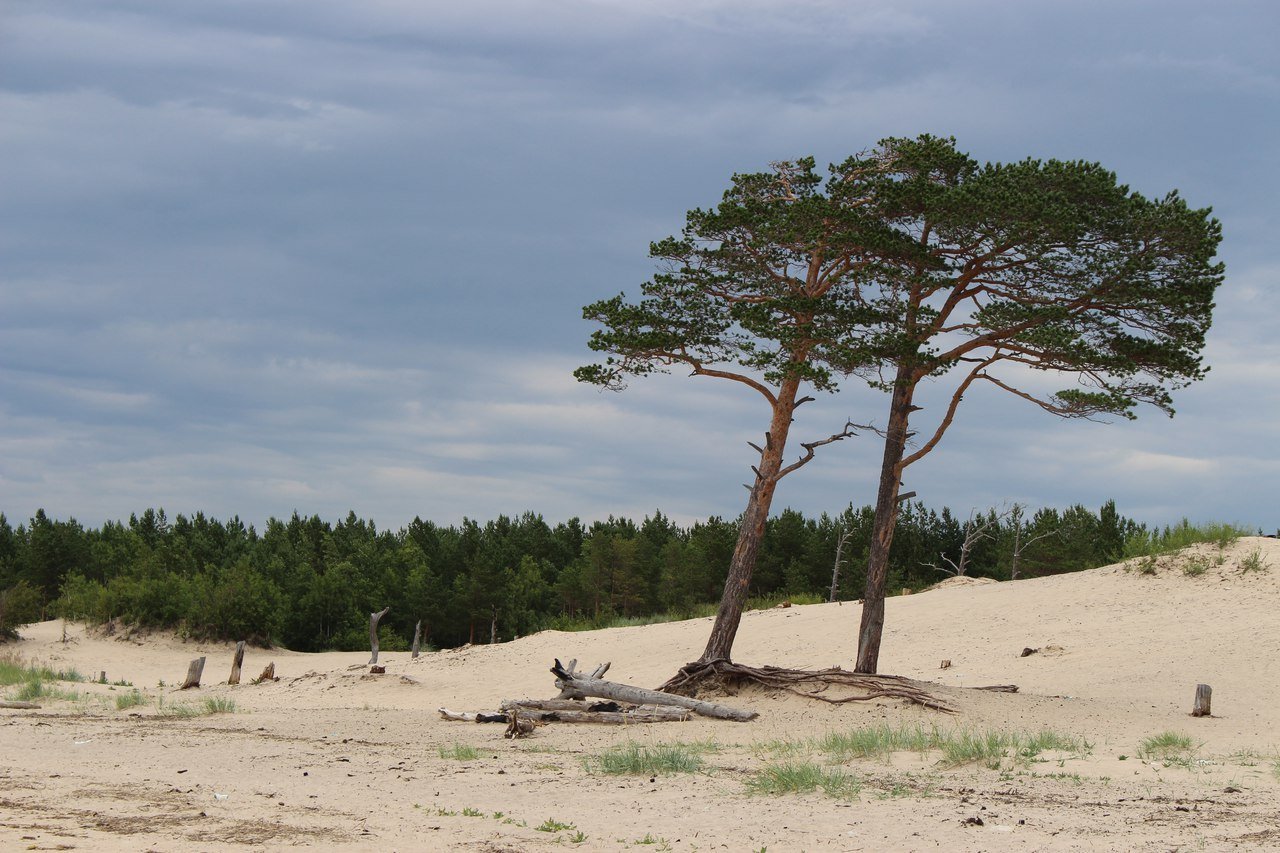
<point>19,605</point>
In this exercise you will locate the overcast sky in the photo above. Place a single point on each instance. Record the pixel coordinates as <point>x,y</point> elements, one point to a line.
<point>259,256</point>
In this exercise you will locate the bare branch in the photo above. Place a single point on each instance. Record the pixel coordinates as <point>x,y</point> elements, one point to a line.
<point>950,413</point>
<point>810,447</point>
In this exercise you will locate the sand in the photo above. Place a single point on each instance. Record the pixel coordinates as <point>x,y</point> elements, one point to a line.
<point>332,757</point>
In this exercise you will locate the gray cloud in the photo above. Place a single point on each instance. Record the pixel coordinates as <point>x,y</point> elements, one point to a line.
<point>267,256</point>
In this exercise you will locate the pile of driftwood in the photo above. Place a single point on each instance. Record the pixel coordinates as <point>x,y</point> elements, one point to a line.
<point>623,704</point>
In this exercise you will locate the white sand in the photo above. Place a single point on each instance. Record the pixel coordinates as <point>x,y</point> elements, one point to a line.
<point>332,757</point>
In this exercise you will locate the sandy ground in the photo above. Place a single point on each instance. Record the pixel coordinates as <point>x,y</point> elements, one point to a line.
<point>333,757</point>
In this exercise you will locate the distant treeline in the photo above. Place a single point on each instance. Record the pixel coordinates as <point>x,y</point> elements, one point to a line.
<point>310,585</point>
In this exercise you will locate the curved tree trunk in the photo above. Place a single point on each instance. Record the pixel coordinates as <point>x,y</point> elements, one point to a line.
<point>743,563</point>
<point>882,530</point>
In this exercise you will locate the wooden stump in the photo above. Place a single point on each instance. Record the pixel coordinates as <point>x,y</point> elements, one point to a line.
<point>194,671</point>
<point>235,664</point>
<point>374,618</point>
<point>417,637</point>
<point>268,674</point>
<point>1204,693</point>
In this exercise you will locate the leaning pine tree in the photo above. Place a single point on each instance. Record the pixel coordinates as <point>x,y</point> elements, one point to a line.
<point>1020,273</point>
<point>762,291</point>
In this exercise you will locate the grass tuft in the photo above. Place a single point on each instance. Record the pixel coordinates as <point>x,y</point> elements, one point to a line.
<point>1254,563</point>
<point>219,705</point>
<point>634,759</point>
<point>459,752</point>
<point>1167,745</point>
<point>131,699</point>
<point>803,777</point>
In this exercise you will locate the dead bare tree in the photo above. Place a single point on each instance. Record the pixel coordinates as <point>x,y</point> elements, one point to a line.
<point>1020,544</point>
<point>976,529</point>
<point>835,573</point>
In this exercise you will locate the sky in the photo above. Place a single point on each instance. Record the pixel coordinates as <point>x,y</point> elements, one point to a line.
<point>267,256</point>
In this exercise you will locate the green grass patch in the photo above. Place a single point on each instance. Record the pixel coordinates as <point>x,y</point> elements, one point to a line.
<point>878,742</point>
<point>459,752</point>
<point>13,671</point>
<point>132,699</point>
<point>38,688</point>
<point>803,777</point>
<point>1168,746</point>
<point>219,705</point>
<point>956,748</point>
<point>634,759</point>
<point>553,825</point>
<point>1184,534</point>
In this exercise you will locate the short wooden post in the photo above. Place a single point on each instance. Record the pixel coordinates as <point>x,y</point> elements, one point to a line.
<point>374,618</point>
<point>417,638</point>
<point>1204,693</point>
<point>268,673</point>
<point>194,671</point>
<point>235,664</point>
<point>102,677</point>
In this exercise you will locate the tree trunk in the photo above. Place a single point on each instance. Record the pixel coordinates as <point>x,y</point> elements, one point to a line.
<point>374,618</point>
<point>236,662</point>
<point>743,563</point>
<point>417,638</point>
<point>835,573</point>
<point>882,530</point>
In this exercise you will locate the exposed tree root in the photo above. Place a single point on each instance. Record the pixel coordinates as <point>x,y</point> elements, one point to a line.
<point>808,683</point>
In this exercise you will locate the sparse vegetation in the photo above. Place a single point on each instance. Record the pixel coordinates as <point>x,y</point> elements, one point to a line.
<point>1195,565</point>
<point>1166,746</point>
<point>1253,562</point>
<point>219,705</point>
<point>459,752</point>
<point>553,825</point>
<point>803,777</point>
<point>1184,534</point>
<point>956,748</point>
<point>642,760</point>
<point>132,699</point>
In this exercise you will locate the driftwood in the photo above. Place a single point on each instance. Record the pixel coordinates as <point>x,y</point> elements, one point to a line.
<point>194,671</point>
<point>608,713</point>
<point>725,673</point>
<point>235,664</point>
<point>576,685</point>
<point>468,717</point>
<point>19,705</point>
<point>519,725</point>
<point>374,618</point>
<point>268,673</point>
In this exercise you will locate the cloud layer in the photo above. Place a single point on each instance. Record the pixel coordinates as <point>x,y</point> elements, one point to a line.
<point>259,257</point>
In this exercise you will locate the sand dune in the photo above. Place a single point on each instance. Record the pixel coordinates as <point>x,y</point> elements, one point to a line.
<point>332,757</point>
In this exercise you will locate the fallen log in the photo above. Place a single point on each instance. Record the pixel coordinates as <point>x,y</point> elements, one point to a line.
<point>468,717</point>
<point>651,714</point>
<point>577,686</point>
<point>19,705</point>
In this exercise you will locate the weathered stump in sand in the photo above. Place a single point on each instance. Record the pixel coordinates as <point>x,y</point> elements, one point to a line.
<point>374,619</point>
<point>268,674</point>
<point>417,638</point>
<point>235,664</point>
<point>1204,695</point>
<point>194,671</point>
